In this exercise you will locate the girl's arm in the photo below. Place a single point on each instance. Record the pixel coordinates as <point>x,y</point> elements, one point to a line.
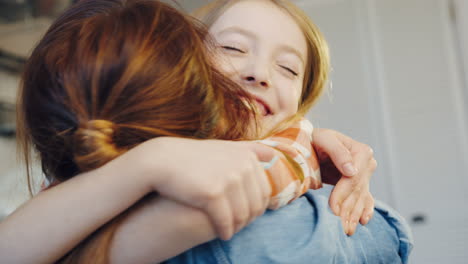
<point>155,230</point>
<point>137,240</point>
<point>151,231</point>
<point>52,223</point>
<point>55,221</point>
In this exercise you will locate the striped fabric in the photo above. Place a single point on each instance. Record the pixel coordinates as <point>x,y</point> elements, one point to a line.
<point>295,168</point>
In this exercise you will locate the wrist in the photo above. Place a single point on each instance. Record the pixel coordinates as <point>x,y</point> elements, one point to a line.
<point>150,161</point>
<point>135,169</point>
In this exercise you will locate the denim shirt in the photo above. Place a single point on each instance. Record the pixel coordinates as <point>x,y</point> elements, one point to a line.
<point>306,231</point>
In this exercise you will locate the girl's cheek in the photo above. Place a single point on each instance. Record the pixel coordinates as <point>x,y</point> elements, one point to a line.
<point>290,89</point>
<point>296,89</point>
<point>291,93</point>
<point>228,65</point>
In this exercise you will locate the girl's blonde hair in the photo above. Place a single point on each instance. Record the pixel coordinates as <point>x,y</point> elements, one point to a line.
<point>318,59</point>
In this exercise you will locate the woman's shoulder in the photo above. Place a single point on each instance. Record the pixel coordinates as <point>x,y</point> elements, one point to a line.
<point>305,230</point>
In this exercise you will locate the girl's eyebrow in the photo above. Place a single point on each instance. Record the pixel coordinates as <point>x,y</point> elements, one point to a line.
<point>294,51</point>
<point>283,47</point>
<point>239,30</point>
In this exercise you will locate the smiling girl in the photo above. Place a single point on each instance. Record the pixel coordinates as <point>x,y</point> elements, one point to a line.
<point>274,51</point>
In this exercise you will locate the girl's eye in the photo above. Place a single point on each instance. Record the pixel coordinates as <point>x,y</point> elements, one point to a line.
<point>233,49</point>
<point>289,70</point>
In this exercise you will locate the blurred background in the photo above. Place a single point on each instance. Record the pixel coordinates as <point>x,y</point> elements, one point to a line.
<point>399,83</point>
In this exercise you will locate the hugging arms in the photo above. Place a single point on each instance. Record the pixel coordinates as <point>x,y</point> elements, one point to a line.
<point>211,188</point>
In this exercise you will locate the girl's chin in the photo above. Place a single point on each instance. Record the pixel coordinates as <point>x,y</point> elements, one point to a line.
<point>265,125</point>
<point>258,131</point>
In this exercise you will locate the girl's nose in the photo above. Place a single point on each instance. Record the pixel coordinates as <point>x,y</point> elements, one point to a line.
<point>256,74</point>
<point>250,79</point>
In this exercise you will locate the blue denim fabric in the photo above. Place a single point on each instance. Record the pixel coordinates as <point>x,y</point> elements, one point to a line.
<point>306,231</point>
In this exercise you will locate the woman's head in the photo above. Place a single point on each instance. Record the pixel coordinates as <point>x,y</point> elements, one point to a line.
<point>110,74</point>
<point>270,45</point>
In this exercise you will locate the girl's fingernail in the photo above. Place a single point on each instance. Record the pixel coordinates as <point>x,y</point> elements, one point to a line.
<point>367,219</point>
<point>347,227</point>
<point>349,169</point>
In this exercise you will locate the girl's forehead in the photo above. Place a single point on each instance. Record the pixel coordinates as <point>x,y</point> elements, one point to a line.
<point>254,12</point>
<point>261,19</point>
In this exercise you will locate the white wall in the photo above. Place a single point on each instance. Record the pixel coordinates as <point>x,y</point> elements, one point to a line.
<point>11,194</point>
<point>460,10</point>
<point>399,83</point>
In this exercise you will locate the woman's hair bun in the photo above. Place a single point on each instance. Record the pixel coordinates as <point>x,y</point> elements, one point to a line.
<point>94,144</point>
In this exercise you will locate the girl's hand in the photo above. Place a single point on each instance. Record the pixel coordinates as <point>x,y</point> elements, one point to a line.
<point>222,178</point>
<point>348,165</point>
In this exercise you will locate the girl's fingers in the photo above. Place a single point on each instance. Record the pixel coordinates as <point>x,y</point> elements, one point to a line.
<point>338,147</point>
<point>263,152</point>
<point>254,194</point>
<point>221,214</point>
<point>265,187</point>
<point>368,212</point>
<point>238,197</point>
<point>355,216</point>
<point>336,200</point>
<point>366,216</point>
<point>346,209</point>
<point>368,200</point>
<point>339,194</point>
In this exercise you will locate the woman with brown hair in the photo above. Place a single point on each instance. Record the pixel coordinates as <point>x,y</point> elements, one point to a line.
<point>91,95</point>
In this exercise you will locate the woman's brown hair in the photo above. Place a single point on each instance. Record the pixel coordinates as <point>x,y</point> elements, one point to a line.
<point>111,74</point>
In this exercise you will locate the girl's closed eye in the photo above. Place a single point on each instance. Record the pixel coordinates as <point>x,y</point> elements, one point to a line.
<point>232,48</point>
<point>289,70</point>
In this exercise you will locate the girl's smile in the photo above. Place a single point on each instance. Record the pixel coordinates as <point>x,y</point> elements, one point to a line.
<point>263,49</point>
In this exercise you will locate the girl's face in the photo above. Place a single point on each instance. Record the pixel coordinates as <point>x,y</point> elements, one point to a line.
<point>264,50</point>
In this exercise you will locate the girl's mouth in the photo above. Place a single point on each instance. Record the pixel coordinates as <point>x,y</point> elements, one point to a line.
<point>263,108</point>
